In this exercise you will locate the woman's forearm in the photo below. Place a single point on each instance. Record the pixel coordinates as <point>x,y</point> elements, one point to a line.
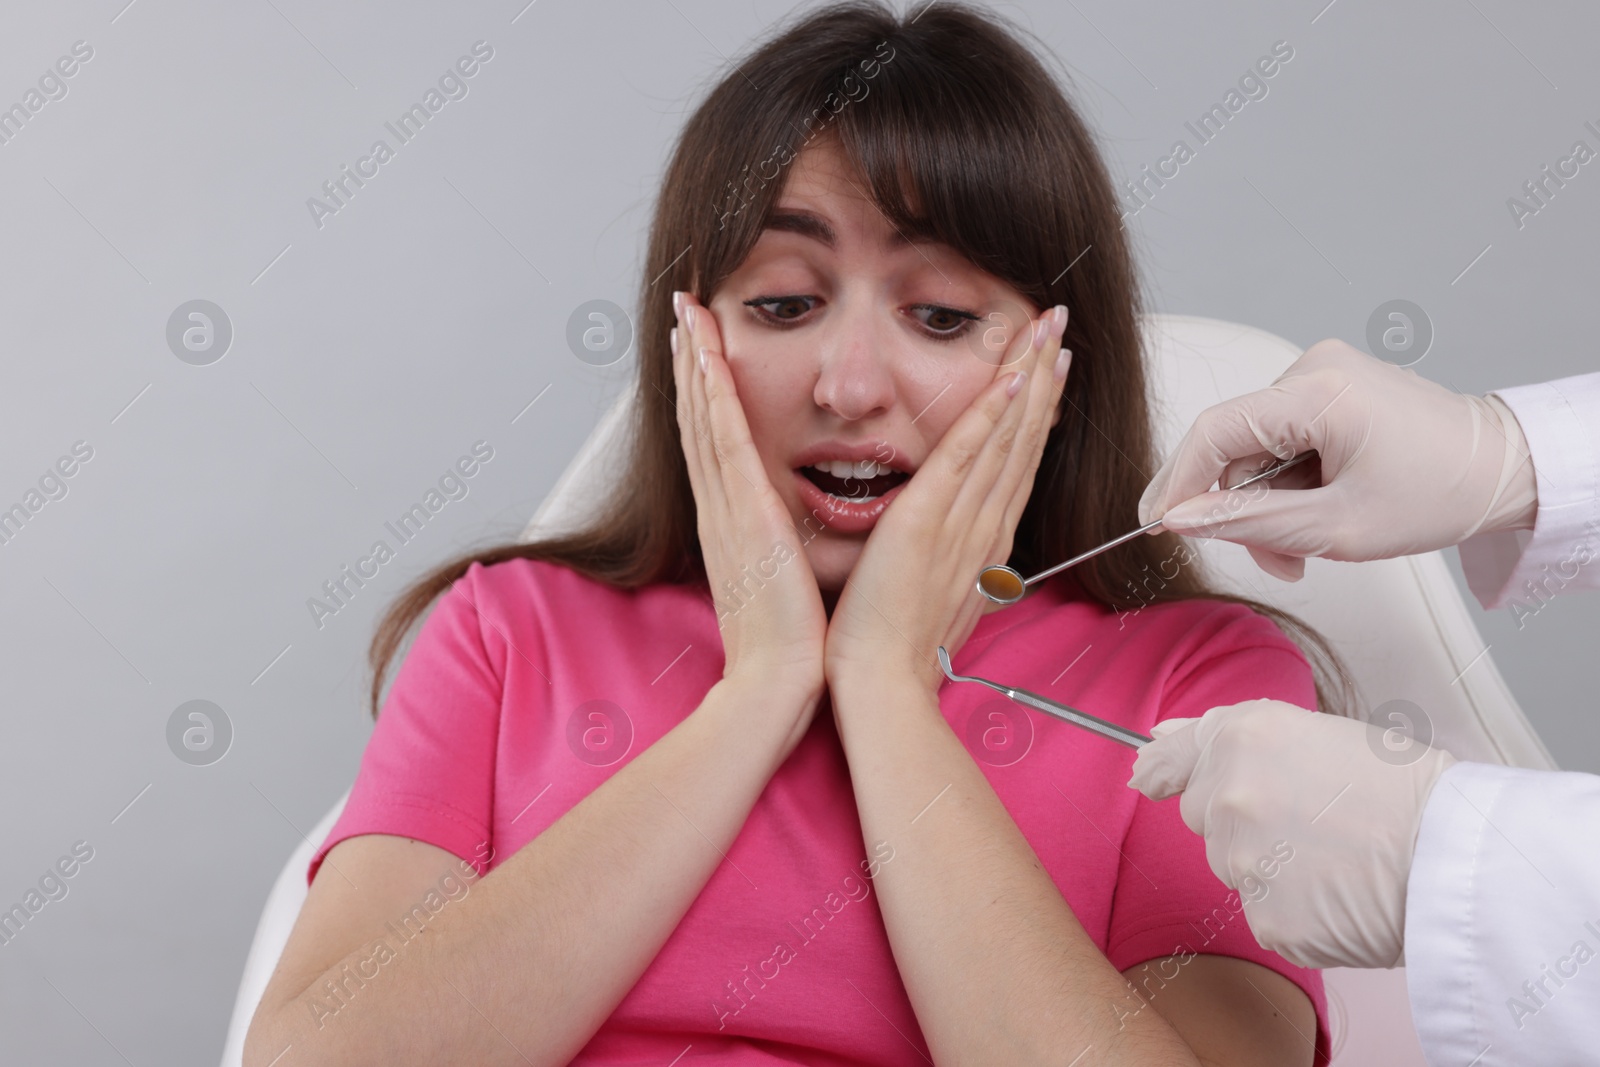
<point>996,965</point>
<point>526,968</point>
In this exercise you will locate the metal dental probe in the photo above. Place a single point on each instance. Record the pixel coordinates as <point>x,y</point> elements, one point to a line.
<point>1120,734</point>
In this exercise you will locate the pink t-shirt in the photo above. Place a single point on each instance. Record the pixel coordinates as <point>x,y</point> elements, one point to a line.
<point>528,685</point>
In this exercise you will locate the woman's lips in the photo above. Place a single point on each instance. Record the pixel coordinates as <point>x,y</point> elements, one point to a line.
<point>838,513</point>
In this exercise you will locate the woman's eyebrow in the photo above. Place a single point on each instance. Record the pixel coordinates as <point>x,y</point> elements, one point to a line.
<point>809,224</point>
<point>803,223</point>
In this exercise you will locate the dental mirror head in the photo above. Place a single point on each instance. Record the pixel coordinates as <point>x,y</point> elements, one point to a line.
<point>1001,584</point>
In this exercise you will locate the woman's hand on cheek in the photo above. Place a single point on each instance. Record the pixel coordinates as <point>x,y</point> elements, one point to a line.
<point>914,586</point>
<point>769,608</point>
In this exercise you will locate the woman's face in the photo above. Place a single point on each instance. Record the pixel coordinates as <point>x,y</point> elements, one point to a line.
<point>862,346</point>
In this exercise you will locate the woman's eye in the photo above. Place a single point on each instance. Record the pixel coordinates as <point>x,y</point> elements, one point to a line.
<point>942,323</point>
<point>788,308</point>
<point>945,323</point>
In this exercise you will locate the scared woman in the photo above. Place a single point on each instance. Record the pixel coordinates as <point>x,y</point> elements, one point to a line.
<point>716,800</point>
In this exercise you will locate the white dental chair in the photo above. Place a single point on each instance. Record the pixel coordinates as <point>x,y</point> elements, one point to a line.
<point>1401,626</point>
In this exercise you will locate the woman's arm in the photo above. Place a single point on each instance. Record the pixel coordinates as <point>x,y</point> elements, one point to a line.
<point>1231,1012</point>
<point>994,961</point>
<point>525,967</point>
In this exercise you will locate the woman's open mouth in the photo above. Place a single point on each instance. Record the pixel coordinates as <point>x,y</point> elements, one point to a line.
<point>848,497</point>
<point>856,482</point>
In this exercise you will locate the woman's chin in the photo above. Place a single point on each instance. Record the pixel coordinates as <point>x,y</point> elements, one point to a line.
<point>831,563</point>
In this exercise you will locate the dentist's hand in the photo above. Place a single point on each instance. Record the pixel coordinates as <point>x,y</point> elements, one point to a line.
<point>1406,465</point>
<point>775,633</point>
<point>1342,798</point>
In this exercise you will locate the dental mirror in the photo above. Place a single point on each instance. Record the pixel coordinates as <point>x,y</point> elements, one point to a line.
<point>1004,585</point>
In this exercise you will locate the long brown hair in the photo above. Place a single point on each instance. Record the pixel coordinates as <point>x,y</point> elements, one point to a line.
<point>947,110</point>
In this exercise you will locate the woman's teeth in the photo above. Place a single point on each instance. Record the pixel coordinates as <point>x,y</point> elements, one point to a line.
<point>854,481</point>
<point>841,468</point>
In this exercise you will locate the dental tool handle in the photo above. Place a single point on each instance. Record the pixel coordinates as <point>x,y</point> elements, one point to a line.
<point>1273,471</point>
<point>1122,734</point>
<point>1093,552</point>
<point>1148,527</point>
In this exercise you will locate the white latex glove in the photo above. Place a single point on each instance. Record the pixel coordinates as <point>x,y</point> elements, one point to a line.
<point>1312,818</point>
<point>1405,465</point>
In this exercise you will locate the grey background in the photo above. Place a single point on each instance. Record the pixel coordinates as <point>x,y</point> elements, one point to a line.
<point>370,353</point>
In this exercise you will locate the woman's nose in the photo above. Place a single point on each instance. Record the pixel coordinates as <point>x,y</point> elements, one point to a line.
<point>854,379</point>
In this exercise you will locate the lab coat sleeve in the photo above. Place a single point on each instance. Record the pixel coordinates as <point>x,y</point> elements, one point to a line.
<point>1522,570</point>
<point>1502,935</point>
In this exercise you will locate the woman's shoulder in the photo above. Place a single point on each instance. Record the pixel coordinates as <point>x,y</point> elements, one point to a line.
<point>524,573</point>
<point>1192,628</point>
<point>573,625</point>
<point>1210,613</point>
<point>554,585</point>
<point>1211,616</point>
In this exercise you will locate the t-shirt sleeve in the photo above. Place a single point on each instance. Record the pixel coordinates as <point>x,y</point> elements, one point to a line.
<point>1168,901</point>
<point>428,769</point>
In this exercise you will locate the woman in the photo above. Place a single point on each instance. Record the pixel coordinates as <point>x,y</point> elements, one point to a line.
<point>686,784</point>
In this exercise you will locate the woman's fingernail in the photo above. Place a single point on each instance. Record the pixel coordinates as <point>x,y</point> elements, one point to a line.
<point>677,303</point>
<point>673,333</point>
<point>1060,317</point>
<point>689,316</point>
<point>1061,363</point>
<point>1016,383</point>
<point>702,356</point>
<point>1040,330</point>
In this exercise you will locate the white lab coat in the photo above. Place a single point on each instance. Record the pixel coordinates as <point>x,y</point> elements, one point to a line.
<point>1502,934</point>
